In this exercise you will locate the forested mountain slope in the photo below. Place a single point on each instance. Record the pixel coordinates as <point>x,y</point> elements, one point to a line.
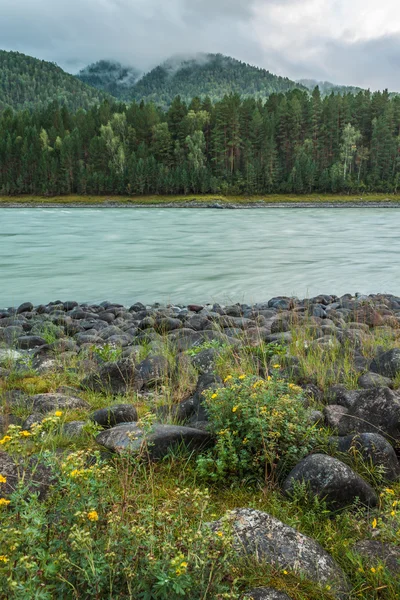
<point>204,75</point>
<point>26,82</point>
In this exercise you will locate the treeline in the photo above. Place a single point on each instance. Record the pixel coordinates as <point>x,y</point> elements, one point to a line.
<point>292,143</point>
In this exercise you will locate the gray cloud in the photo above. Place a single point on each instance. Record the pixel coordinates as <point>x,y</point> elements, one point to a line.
<point>297,38</point>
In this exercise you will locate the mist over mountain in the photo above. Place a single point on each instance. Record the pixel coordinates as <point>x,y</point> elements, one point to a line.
<point>326,87</point>
<point>211,75</point>
<point>111,77</point>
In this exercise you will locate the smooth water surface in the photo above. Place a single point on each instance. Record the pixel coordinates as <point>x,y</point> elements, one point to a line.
<point>195,255</point>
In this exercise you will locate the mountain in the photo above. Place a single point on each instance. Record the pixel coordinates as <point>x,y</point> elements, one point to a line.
<point>27,82</point>
<point>326,87</point>
<point>202,75</point>
<point>111,77</point>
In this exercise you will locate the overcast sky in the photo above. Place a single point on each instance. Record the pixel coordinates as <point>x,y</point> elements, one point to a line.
<point>354,42</point>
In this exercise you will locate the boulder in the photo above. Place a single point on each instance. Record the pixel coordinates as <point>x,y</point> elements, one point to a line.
<point>151,371</point>
<point>28,342</point>
<point>371,380</point>
<point>112,415</point>
<point>376,410</point>
<point>74,428</point>
<point>333,414</point>
<point>129,437</point>
<point>205,360</point>
<point>259,536</point>
<point>387,363</point>
<point>373,448</point>
<point>331,480</point>
<point>44,403</point>
<point>25,307</point>
<point>113,377</point>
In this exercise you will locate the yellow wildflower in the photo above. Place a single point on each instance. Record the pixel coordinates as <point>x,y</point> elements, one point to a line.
<point>374,523</point>
<point>4,502</point>
<point>393,513</point>
<point>5,439</point>
<point>3,479</point>
<point>214,396</point>
<point>220,534</point>
<point>93,515</point>
<point>276,366</point>
<point>3,558</point>
<point>389,491</point>
<point>242,376</point>
<point>245,441</point>
<point>285,572</point>
<point>58,413</point>
<point>373,570</point>
<point>227,378</point>
<point>184,565</point>
<point>269,378</point>
<point>234,409</point>
<point>25,433</point>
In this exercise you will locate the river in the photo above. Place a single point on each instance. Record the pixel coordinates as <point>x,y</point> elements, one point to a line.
<point>195,255</point>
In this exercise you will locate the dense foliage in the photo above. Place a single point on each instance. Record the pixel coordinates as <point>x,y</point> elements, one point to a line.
<point>293,142</point>
<point>27,82</point>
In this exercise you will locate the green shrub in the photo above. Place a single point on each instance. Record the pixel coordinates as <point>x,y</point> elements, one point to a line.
<point>260,426</point>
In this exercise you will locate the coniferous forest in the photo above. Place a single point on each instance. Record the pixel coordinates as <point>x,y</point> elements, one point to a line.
<point>291,143</point>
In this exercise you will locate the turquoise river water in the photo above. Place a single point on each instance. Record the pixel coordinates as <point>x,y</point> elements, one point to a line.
<point>195,255</point>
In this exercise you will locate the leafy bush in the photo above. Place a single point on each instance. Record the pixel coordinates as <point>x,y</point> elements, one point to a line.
<point>260,425</point>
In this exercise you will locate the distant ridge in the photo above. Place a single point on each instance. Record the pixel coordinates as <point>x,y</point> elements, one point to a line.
<point>27,82</point>
<point>200,75</point>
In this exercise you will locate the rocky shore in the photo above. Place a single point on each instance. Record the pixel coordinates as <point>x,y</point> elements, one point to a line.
<point>109,364</point>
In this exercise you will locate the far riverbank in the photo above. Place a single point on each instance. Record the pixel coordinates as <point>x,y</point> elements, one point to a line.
<point>207,201</point>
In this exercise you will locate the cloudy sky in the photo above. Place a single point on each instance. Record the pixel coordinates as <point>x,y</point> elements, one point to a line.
<point>355,42</point>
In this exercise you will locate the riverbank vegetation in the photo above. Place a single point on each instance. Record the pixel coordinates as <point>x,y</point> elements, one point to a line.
<point>199,200</point>
<point>79,521</point>
<point>294,143</point>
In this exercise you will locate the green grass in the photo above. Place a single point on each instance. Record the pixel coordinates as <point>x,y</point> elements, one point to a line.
<point>198,198</point>
<point>150,514</point>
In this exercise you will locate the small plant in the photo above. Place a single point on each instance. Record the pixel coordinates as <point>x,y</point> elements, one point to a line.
<point>206,346</point>
<point>260,425</point>
<point>107,352</point>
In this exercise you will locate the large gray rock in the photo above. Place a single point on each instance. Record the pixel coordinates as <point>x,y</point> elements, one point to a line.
<point>331,480</point>
<point>387,363</point>
<point>205,360</point>
<point>259,536</point>
<point>371,380</point>
<point>113,377</point>
<point>266,594</point>
<point>151,371</point>
<point>28,342</point>
<point>129,437</point>
<point>373,448</point>
<point>112,415</point>
<point>376,410</point>
<point>44,403</point>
